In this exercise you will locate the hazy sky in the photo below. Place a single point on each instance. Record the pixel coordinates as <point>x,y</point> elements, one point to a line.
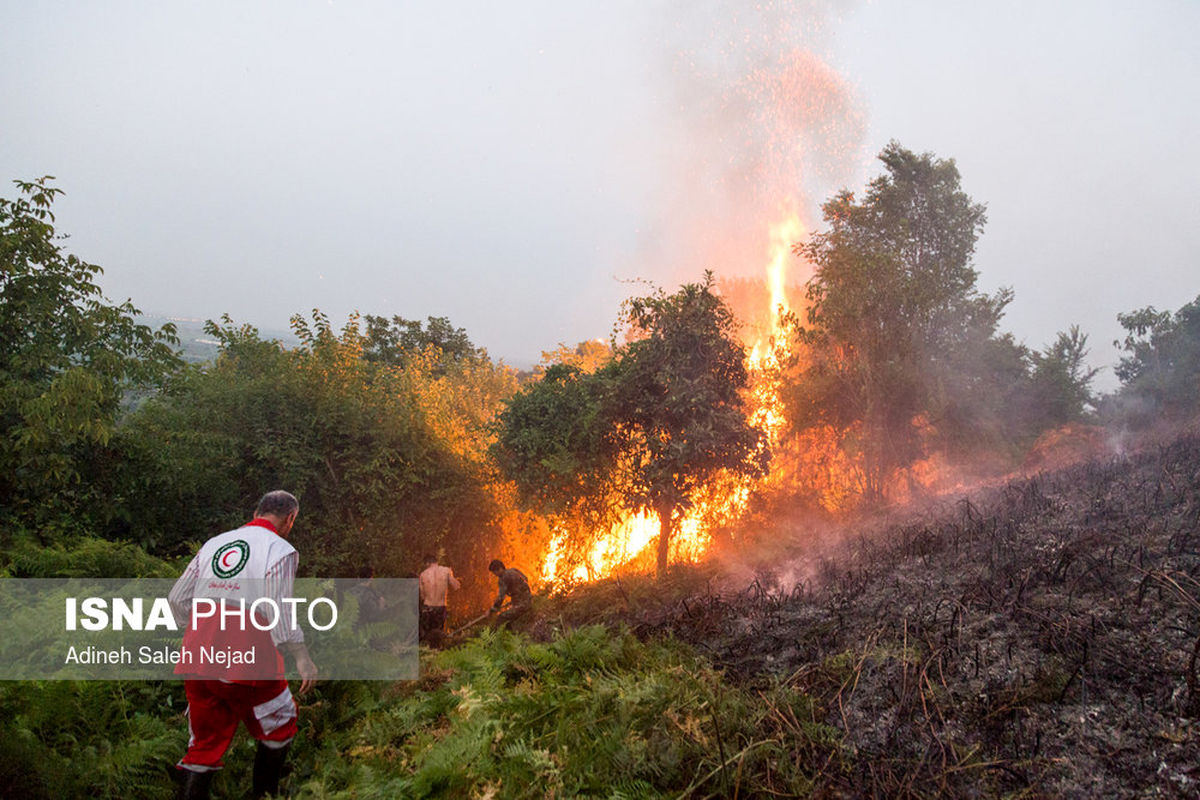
<point>513,165</point>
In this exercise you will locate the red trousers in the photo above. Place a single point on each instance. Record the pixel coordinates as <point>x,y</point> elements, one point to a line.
<point>215,708</point>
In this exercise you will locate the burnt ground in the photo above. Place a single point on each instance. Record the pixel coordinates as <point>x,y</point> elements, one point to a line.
<point>1038,639</point>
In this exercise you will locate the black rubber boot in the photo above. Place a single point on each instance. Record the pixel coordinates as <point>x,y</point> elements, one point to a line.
<point>268,768</point>
<point>192,785</point>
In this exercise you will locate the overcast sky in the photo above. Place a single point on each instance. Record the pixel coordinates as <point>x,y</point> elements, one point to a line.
<point>514,165</point>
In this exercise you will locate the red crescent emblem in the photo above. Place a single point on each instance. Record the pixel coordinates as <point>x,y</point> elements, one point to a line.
<point>225,558</point>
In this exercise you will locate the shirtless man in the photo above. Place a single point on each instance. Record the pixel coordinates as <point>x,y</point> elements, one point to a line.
<point>436,581</point>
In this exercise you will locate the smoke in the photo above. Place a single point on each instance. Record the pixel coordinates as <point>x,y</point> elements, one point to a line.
<point>759,128</point>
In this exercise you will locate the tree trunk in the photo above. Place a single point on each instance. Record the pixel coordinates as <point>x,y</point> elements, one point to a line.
<point>665,528</point>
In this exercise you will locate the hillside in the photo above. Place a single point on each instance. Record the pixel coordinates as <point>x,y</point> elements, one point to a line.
<point>195,344</point>
<point>1039,640</point>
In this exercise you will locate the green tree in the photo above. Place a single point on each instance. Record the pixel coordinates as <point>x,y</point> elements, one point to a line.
<point>555,443</point>
<point>998,396</point>
<point>555,440</point>
<point>651,427</point>
<point>891,306</point>
<point>677,396</point>
<point>1060,381</point>
<point>1161,365</point>
<point>67,357</point>
<point>385,467</point>
<point>397,340</point>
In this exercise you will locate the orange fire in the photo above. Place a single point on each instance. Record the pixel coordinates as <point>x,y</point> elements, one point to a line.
<point>634,537</point>
<point>797,125</point>
<point>770,346</point>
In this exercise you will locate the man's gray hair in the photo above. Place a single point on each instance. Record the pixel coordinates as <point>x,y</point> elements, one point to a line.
<point>277,503</point>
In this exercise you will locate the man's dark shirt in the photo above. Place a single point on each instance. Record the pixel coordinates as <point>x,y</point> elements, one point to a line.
<point>512,584</point>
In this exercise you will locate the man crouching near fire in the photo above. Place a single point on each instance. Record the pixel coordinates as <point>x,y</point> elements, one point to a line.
<point>511,583</point>
<point>251,562</point>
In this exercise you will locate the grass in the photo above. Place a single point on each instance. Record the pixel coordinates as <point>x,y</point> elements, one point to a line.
<point>592,713</point>
<point>1039,640</point>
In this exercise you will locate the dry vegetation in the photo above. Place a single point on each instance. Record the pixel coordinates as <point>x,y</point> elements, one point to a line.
<point>1038,640</point>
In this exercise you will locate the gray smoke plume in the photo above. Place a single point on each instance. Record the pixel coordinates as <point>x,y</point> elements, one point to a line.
<point>759,126</point>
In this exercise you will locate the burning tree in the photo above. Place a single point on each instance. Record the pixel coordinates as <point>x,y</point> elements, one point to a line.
<point>652,427</point>
<point>678,404</point>
<point>894,324</point>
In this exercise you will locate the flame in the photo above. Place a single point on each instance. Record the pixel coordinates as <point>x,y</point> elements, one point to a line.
<point>771,347</point>
<point>813,460</point>
<point>633,539</point>
<point>783,236</point>
<point>798,125</point>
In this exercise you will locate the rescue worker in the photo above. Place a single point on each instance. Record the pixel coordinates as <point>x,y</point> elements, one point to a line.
<point>435,583</point>
<point>512,584</point>
<point>247,563</point>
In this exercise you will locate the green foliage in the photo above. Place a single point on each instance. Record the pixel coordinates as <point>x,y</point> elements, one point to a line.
<point>900,353</point>
<point>67,355</point>
<point>84,557</point>
<point>677,395</point>
<point>892,299</point>
<point>999,396</point>
<point>678,403</point>
<point>89,739</point>
<point>1161,369</point>
<point>1061,380</point>
<point>982,399</point>
<point>650,428</point>
<point>593,714</point>
<point>387,460</point>
<point>397,340</point>
<point>553,440</point>
<point>556,448</point>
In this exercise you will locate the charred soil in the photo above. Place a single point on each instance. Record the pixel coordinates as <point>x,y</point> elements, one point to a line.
<point>1039,639</point>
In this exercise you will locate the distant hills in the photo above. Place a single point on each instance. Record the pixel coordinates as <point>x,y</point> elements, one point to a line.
<point>197,346</point>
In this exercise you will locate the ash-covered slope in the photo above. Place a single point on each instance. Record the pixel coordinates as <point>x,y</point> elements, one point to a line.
<point>1039,640</point>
